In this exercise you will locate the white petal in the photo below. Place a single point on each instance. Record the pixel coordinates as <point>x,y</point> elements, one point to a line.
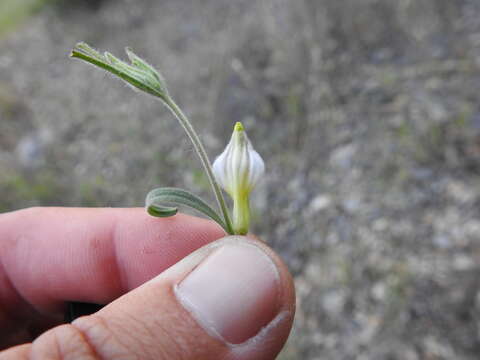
<point>257,168</point>
<point>239,167</point>
<point>218,168</point>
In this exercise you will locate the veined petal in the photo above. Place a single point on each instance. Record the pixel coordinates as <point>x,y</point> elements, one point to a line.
<point>239,167</point>
<point>257,168</point>
<point>220,172</point>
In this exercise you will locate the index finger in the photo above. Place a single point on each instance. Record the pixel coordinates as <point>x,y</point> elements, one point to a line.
<point>52,255</point>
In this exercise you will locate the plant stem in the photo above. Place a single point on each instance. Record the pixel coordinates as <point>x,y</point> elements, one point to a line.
<point>203,158</point>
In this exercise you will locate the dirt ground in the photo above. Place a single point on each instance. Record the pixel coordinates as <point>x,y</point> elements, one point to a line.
<point>366,112</point>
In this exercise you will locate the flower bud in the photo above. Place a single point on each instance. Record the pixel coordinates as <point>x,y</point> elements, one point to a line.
<point>238,169</point>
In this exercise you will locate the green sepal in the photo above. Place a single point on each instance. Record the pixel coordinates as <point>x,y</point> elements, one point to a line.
<point>157,198</point>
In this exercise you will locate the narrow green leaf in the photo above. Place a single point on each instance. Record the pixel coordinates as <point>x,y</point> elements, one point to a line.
<point>161,211</point>
<point>157,198</point>
<point>139,74</point>
<point>84,47</point>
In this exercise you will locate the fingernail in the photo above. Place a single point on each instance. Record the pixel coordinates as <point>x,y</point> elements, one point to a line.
<point>233,293</point>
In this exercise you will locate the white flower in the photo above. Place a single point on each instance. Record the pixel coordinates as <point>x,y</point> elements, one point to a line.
<point>238,169</point>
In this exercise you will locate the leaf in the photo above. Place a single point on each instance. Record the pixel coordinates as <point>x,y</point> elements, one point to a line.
<point>138,74</point>
<point>157,198</point>
<point>142,64</point>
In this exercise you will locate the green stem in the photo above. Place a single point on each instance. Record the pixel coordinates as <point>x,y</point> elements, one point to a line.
<point>241,214</point>
<point>203,158</point>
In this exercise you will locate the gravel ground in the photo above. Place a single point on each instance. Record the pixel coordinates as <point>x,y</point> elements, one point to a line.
<point>366,113</point>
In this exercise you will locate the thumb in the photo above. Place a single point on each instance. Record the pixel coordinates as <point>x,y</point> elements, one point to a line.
<point>232,299</point>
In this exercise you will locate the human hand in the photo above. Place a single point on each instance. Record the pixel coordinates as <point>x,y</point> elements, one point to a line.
<point>231,299</point>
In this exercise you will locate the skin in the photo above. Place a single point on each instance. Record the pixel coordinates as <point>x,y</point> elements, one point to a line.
<point>49,256</point>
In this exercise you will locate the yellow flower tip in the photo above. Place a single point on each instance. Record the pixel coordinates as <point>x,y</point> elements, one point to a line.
<point>238,127</point>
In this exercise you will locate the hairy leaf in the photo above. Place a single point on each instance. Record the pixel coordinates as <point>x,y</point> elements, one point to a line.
<point>157,198</point>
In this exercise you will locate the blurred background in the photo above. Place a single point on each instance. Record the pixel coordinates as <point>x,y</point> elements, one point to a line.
<point>366,112</point>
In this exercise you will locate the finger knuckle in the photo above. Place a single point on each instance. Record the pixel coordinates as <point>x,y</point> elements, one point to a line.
<point>103,338</point>
<point>63,342</point>
<point>128,337</point>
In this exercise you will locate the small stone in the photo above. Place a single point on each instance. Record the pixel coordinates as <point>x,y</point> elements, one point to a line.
<point>352,204</point>
<point>30,152</point>
<point>333,302</point>
<point>442,241</point>
<point>342,156</point>
<point>460,192</point>
<point>379,291</point>
<point>320,203</point>
<point>463,262</point>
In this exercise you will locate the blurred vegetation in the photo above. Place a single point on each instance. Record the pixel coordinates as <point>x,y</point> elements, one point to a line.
<point>40,189</point>
<point>13,12</point>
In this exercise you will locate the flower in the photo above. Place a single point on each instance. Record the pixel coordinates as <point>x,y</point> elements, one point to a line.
<point>238,169</point>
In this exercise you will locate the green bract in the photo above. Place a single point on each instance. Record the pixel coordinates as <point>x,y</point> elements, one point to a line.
<point>241,165</point>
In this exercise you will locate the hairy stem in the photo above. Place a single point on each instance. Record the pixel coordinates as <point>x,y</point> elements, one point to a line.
<point>203,158</point>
